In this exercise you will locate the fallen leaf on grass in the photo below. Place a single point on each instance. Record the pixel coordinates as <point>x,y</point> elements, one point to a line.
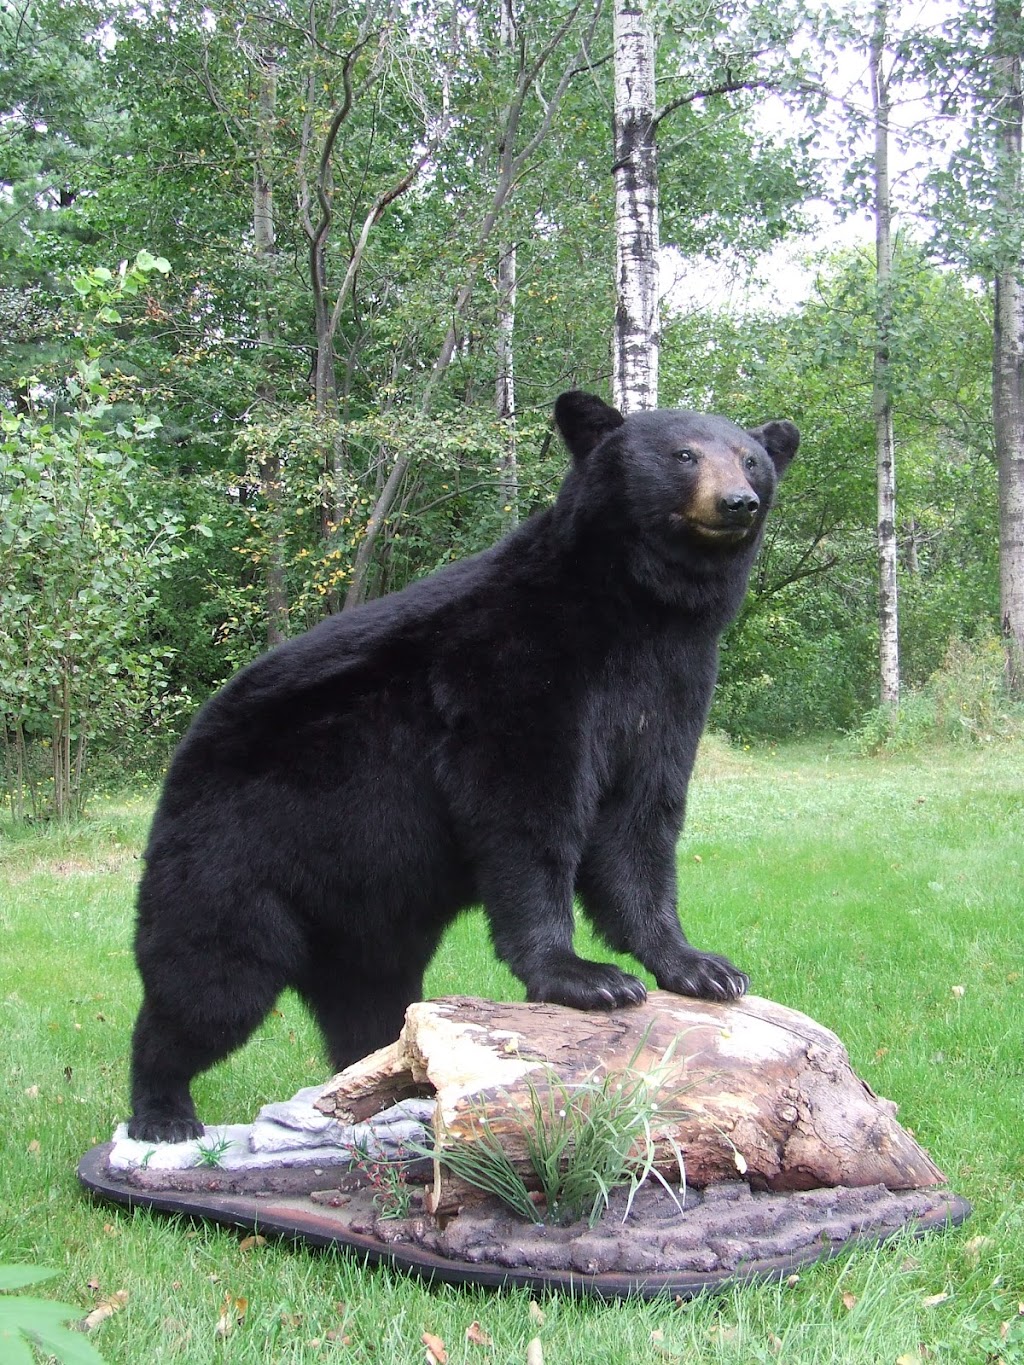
<point>253,1240</point>
<point>849,1300</point>
<point>535,1352</point>
<point>232,1315</point>
<point>476,1335</point>
<point>536,1313</point>
<point>436,1354</point>
<point>106,1308</point>
<point>933,1300</point>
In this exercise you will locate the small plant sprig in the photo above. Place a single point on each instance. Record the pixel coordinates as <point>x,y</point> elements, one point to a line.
<point>213,1153</point>
<point>582,1141</point>
<point>392,1196</point>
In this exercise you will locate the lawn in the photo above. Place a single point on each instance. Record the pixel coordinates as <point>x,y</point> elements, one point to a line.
<point>885,897</point>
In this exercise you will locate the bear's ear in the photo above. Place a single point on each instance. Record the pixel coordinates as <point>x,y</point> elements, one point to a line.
<point>583,419</point>
<point>780,439</point>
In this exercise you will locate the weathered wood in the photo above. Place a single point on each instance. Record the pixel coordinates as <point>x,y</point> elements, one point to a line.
<point>765,1092</point>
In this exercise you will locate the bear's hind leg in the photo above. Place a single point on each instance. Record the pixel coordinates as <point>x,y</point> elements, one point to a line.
<point>175,1040</point>
<point>359,1014</point>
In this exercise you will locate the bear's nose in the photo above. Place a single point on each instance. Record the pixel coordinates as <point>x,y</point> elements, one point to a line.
<point>740,507</point>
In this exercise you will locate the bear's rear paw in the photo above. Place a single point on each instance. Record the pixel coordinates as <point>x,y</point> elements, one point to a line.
<point>583,985</point>
<point>705,976</point>
<point>157,1128</point>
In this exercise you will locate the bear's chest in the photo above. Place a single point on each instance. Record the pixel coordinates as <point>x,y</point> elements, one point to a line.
<point>649,711</point>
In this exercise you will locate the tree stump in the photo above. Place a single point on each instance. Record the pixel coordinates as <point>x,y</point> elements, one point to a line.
<point>754,1091</point>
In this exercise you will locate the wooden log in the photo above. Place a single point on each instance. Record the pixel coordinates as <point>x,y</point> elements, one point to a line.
<point>753,1090</point>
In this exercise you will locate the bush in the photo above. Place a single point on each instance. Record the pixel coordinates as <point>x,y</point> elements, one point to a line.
<point>964,701</point>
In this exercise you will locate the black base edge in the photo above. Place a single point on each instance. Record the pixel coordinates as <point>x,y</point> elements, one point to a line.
<point>298,1219</point>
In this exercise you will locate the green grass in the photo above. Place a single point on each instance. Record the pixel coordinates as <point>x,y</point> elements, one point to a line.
<point>859,890</point>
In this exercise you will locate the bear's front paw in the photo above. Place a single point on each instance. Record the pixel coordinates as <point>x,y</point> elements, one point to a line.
<point>705,976</point>
<point>154,1128</point>
<point>584,985</point>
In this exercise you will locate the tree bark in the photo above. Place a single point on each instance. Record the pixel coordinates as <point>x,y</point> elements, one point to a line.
<point>505,386</point>
<point>885,455</point>
<point>265,249</point>
<point>637,334</point>
<point>750,1090</point>
<point>1008,348</point>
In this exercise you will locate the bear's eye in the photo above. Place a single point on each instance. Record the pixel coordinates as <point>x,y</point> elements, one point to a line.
<point>685,455</point>
<point>750,462</point>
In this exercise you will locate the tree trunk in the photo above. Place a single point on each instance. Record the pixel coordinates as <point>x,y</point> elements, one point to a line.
<point>265,248</point>
<point>505,384</point>
<point>505,388</point>
<point>750,1090</point>
<point>1008,350</point>
<point>888,614</point>
<point>637,337</point>
<point>511,166</point>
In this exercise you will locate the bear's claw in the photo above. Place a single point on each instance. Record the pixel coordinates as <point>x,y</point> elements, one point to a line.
<point>586,985</point>
<point>706,976</point>
<point>155,1129</point>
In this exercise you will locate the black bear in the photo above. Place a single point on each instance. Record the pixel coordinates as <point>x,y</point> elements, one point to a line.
<point>512,731</point>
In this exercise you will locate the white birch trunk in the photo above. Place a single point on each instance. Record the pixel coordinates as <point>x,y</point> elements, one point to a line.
<point>636,339</point>
<point>888,614</point>
<point>1008,358</point>
<point>265,248</point>
<point>505,388</point>
<point>505,383</point>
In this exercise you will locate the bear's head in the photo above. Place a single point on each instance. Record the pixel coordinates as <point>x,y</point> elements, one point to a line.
<point>688,477</point>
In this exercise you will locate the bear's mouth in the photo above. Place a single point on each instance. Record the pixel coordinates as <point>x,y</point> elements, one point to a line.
<point>722,532</point>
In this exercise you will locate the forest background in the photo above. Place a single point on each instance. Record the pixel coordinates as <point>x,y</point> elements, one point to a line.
<point>288,291</point>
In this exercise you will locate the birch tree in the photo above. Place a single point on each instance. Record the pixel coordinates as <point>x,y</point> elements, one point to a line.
<point>505,382</point>
<point>885,457</point>
<point>265,248</point>
<point>635,344</point>
<point>1008,348</point>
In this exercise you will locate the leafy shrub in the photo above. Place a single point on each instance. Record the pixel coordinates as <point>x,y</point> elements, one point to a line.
<point>964,701</point>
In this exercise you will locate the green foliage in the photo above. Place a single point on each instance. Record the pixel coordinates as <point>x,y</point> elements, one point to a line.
<point>27,1322</point>
<point>964,702</point>
<point>83,542</point>
<point>582,1141</point>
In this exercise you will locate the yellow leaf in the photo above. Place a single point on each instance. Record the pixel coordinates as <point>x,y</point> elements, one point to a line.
<point>435,1349</point>
<point>536,1313</point>
<point>232,1314</point>
<point>476,1335</point>
<point>933,1299</point>
<point>849,1300</point>
<point>103,1310</point>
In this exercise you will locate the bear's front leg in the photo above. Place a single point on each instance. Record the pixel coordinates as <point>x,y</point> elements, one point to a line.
<point>627,882</point>
<point>528,898</point>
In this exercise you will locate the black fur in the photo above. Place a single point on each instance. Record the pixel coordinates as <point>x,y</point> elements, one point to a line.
<point>514,729</point>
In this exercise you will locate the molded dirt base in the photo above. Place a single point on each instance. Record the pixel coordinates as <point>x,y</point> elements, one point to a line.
<point>725,1235</point>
